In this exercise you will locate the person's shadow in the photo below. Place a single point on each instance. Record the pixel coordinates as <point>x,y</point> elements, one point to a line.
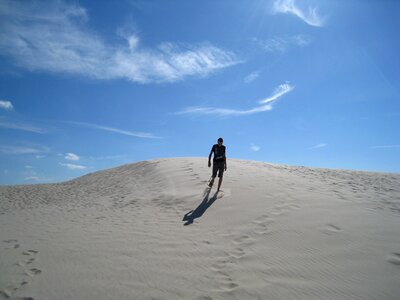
<point>203,206</point>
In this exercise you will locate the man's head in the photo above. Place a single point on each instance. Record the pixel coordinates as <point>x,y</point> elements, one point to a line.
<point>220,141</point>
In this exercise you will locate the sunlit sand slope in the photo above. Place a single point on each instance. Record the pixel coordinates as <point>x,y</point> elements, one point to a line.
<point>153,230</point>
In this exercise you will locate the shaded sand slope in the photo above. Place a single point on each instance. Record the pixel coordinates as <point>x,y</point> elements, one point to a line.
<point>152,230</point>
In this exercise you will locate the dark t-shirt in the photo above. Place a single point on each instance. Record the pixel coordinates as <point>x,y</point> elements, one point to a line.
<point>219,153</point>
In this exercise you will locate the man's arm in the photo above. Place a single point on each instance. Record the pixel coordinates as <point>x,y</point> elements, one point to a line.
<point>209,157</point>
<point>226,166</point>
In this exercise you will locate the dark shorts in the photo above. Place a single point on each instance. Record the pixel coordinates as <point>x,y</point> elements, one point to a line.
<point>218,167</point>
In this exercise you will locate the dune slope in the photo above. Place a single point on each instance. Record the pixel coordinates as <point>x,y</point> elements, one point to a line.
<point>153,230</point>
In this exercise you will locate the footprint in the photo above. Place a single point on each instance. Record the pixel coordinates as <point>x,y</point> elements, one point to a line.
<point>226,280</point>
<point>30,257</point>
<point>262,231</point>
<point>220,194</point>
<point>20,263</point>
<point>32,272</point>
<point>237,253</point>
<point>5,293</point>
<point>8,291</point>
<point>24,263</point>
<point>217,266</point>
<point>262,220</point>
<point>241,239</point>
<point>15,288</point>
<point>394,258</point>
<point>230,285</point>
<point>331,228</point>
<point>294,206</point>
<point>10,241</point>
<point>30,252</point>
<point>276,212</point>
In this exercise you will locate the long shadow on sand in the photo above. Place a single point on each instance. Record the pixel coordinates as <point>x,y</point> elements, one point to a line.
<point>199,211</point>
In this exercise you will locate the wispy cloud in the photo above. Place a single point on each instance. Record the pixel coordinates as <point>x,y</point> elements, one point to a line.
<point>37,179</point>
<point>224,112</point>
<point>7,105</point>
<point>71,156</point>
<point>255,148</point>
<point>54,36</point>
<point>321,145</point>
<point>30,174</point>
<point>282,44</point>
<point>7,149</point>
<point>251,77</point>
<point>279,91</point>
<point>116,130</point>
<point>311,17</point>
<point>73,166</point>
<point>21,126</point>
<point>386,147</point>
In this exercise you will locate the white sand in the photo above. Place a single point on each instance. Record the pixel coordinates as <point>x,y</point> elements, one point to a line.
<point>274,232</point>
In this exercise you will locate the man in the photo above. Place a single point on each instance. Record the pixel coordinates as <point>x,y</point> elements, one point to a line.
<point>219,162</point>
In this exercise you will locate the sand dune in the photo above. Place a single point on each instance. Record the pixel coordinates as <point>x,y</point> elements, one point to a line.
<point>153,230</point>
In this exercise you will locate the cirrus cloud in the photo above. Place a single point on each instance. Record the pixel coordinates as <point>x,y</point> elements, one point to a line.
<point>115,130</point>
<point>20,150</point>
<point>73,166</point>
<point>281,44</point>
<point>53,36</point>
<point>21,126</point>
<point>251,77</point>
<point>311,17</point>
<point>385,147</point>
<point>266,105</point>
<point>321,145</point>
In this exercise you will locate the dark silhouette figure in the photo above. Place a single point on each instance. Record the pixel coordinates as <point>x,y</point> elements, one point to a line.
<point>199,211</point>
<point>219,162</point>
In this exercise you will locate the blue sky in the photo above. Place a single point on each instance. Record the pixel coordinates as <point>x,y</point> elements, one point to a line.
<point>87,85</point>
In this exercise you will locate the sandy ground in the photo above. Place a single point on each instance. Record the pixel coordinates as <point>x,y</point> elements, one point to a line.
<point>152,230</point>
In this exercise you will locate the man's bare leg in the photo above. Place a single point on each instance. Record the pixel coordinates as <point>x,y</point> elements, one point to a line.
<point>219,183</point>
<point>210,184</point>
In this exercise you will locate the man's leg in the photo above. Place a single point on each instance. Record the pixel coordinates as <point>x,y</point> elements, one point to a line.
<point>220,175</point>
<point>214,174</point>
<point>219,183</point>
<point>210,184</point>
